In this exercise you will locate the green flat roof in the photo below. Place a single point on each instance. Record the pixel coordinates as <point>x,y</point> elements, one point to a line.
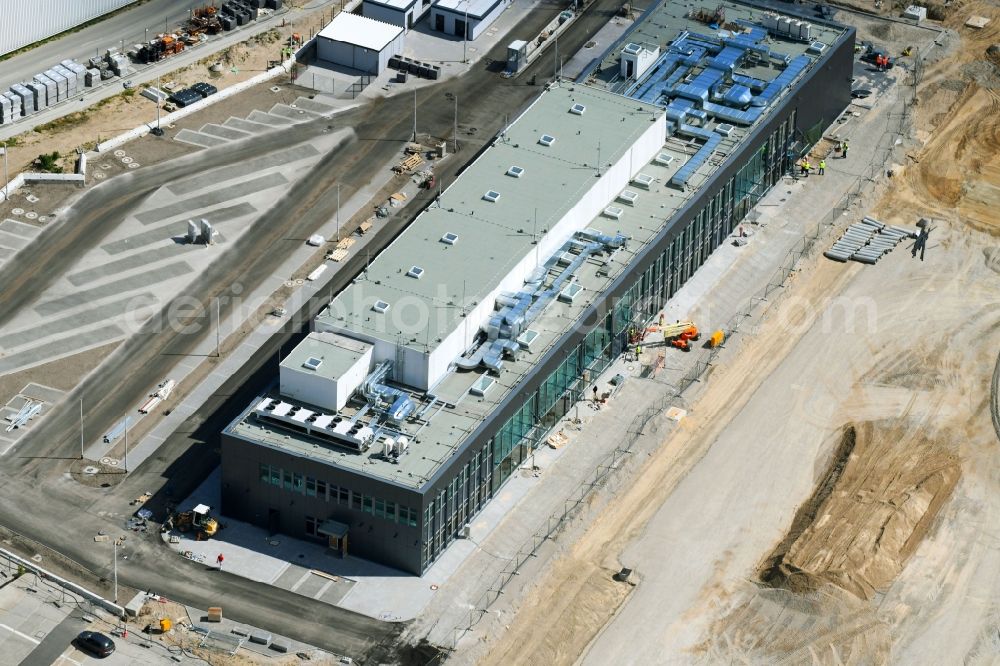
<point>492,237</point>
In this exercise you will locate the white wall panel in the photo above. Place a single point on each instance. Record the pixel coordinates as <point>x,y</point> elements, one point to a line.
<point>27,21</point>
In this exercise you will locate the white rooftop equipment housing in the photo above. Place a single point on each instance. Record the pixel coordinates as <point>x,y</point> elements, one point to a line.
<point>325,369</point>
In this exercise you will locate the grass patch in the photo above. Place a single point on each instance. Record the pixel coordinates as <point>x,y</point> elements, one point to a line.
<point>49,162</point>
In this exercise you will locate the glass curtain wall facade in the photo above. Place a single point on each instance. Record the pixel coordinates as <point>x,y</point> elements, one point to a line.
<point>476,481</point>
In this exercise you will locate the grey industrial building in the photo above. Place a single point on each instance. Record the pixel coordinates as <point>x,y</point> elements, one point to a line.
<point>431,378</point>
<point>359,42</point>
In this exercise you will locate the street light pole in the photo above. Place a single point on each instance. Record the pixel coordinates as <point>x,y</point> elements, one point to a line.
<point>81,428</point>
<point>6,182</point>
<point>115,569</point>
<point>338,212</point>
<point>456,123</point>
<point>125,423</point>
<point>465,33</point>
<point>414,116</point>
<point>218,326</point>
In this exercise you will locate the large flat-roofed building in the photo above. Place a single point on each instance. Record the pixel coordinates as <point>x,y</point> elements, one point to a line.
<point>432,377</point>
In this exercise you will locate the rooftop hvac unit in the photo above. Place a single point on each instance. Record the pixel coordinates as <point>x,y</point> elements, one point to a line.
<point>614,212</point>
<point>388,446</point>
<point>664,159</point>
<point>724,129</point>
<point>192,232</point>
<point>402,444</point>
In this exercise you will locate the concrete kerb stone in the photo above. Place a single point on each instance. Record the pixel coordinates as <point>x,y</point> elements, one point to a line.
<point>13,186</point>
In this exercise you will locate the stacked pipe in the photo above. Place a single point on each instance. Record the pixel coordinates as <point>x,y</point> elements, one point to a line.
<point>867,241</point>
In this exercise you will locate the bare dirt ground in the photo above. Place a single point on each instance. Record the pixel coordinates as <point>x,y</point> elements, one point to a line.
<point>886,555</point>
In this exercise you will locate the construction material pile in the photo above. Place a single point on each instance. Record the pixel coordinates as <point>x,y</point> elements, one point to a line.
<point>866,241</point>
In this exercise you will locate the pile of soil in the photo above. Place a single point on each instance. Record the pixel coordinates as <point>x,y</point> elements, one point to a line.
<point>869,512</point>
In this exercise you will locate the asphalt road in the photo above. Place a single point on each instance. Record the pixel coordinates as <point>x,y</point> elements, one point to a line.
<point>37,496</point>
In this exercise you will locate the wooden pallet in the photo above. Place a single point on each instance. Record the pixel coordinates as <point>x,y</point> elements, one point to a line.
<point>409,164</point>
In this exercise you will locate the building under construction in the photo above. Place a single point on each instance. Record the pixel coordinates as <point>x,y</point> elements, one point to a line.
<point>431,379</point>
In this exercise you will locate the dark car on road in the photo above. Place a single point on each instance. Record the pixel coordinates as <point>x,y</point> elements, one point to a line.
<point>95,643</point>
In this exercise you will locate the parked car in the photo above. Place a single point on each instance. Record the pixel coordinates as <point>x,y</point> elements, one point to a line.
<point>95,643</point>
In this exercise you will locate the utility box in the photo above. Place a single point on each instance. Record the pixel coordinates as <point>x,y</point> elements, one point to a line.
<point>517,56</point>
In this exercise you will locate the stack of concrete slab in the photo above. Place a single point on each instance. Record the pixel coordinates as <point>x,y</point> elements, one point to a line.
<point>62,85</point>
<point>79,70</point>
<point>27,98</point>
<point>51,89</point>
<point>13,103</point>
<point>70,77</point>
<point>119,64</point>
<point>39,92</point>
<point>6,115</point>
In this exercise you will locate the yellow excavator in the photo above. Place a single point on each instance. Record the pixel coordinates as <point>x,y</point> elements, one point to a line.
<point>197,519</point>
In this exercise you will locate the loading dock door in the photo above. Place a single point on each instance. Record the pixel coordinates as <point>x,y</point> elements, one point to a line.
<point>336,536</point>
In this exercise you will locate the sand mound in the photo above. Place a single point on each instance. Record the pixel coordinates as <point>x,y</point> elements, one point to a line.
<point>869,512</point>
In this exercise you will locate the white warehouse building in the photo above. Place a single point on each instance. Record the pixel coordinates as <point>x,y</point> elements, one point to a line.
<point>466,17</point>
<point>359,42</point>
